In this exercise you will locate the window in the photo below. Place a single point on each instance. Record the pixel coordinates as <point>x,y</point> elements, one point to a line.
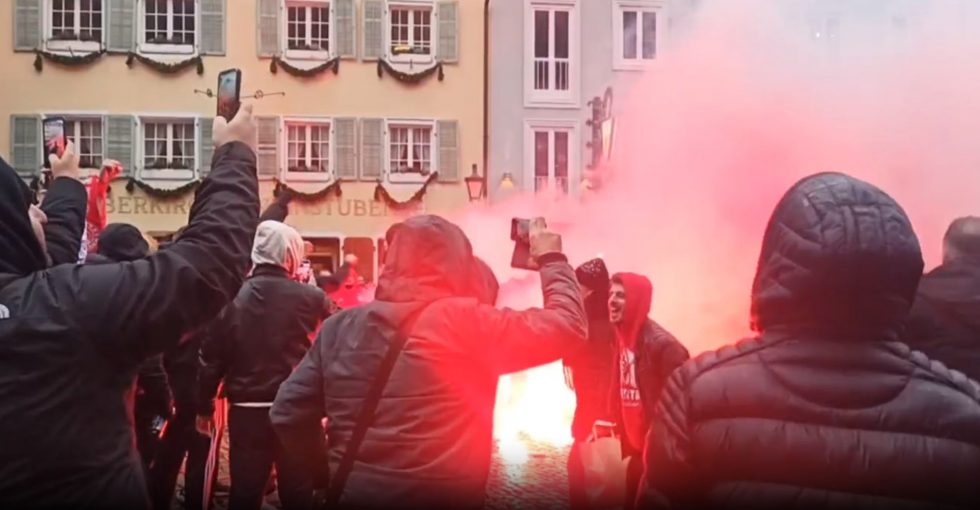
<point>551,157</point>
<point>551,54</point>
<point>169,26</point>
<point>308,150</point>
<point>307,29</point>
<point>86,134</point>
<point>75,25</point>
<point>637,27</point>
<point>410,34</point>
<point>410,149</point>
<point>169,148</point>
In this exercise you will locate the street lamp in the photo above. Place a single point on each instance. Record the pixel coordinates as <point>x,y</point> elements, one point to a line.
<point>474,185</point>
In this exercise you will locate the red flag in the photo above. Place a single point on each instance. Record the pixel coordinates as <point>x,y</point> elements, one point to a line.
<point>98,189</point>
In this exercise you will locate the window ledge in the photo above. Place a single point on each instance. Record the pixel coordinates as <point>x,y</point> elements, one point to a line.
<point>626,65</point>
<point>168,175</point>
<point>307,176</point>
<point>167,49</point>
<point>407,178</point>
<point>307,55</point>
<point>550,102</point>
<point>404,61</point>
<point>72,46</point>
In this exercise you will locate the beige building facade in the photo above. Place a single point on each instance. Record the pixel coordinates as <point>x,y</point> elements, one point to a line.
<point>371,110</point>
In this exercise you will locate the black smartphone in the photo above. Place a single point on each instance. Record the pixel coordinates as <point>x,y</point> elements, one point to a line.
<point>55,139</point>
<point>229,93</point>
<point>520,233</point>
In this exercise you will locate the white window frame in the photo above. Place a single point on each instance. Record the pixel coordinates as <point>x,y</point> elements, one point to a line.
<point>166,173</point>
<point>574,152</point>
<point>77,116</point>
<point>284,123</point>
<point>71,46</point>
<point>433,150</point>
<point>640,6</point>
<point>167,49</point>
<point>553,98</point>
<point>408,58</point>
<point>284,30</point>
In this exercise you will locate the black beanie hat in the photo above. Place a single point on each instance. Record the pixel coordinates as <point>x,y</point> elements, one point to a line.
<point>122,242</point>
<point>593,275</point>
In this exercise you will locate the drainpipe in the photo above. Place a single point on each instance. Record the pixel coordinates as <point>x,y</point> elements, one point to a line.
<point>486,97</point>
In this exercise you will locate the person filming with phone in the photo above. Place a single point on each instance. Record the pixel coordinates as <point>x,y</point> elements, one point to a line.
<point>408,381</point>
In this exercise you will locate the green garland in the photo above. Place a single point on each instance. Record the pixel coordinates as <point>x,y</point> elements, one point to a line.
<point>65,60</point>
<point>164,67</point>
<point>332,64</point>
<point>333,188</point>
<point>381,194</point>
<point>385,66</point>
<point>162,193</point>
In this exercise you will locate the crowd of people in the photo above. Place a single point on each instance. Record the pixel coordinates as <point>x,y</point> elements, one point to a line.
<point>858,391</point>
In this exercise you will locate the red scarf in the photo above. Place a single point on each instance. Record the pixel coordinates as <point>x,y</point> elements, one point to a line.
<point>95,218</point>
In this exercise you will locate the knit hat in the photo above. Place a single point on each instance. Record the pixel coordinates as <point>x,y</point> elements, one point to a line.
<point>593,275</point>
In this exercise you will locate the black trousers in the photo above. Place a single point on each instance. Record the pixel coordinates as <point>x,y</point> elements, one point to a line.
<point>634,472</point>
<point>254,450</point>
<point>179,440</point>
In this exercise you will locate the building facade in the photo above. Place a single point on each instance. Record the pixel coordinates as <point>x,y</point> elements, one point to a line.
<point>365,107</point>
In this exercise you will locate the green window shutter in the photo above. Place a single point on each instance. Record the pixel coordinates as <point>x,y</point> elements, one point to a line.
<point>345,141</point>
<point>25,144</point>
<point>205,149</point>
<point>268,28</point>
<point>448,48</point>
<point>212,27</point>
<point>27,25</point>
<point>121,24</point>
<point>268,153</point>
<point>447,133</point>
<point>372,149</point>
<point>120,141</point>
<point>374,24</point>
<point>344,17</point>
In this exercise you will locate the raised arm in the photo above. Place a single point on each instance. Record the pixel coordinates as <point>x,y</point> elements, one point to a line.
<point>136,309</point>
<point>65,205</point>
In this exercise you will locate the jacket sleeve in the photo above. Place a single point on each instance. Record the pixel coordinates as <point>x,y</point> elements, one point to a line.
<point>279,208</point>
<point>511,341</point>
<point>64,204</point>
<point>155,386</point>
<point>663,365</point>
<point>298,408</point>
<point>132,310</point>
<point>213,360</point>
<point>669,476</point>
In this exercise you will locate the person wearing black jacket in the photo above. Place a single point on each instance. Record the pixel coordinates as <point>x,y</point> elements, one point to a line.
<point>826,408</point>
<point>253,346</point>
<point>72,336</point>
<point>945,319</point>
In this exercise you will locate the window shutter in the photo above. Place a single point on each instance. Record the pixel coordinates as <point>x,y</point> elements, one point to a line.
<point>448,48</point>
<point>345,140</point>
<point>268,154</point>
<point>212,27</point>
<point>27,25</point>
<point>374,21</point>
<point>120,141</point>
<point>206,148</point>
<point>268,27</point>
<point>344,31</point>
<point>121,24</point>
<point>25,144</point>
<point>372,149</point>
<point>447,132</point>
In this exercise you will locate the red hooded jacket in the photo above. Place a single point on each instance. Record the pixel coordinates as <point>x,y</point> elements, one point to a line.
<point>639,299</point>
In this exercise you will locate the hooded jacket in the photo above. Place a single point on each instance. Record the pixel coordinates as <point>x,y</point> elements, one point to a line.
<point>825,409</point>
<point>430,444</point>
<point>257,340</point>
<point>945,319</point>
<point>657,353</point>
<point>73,336</point>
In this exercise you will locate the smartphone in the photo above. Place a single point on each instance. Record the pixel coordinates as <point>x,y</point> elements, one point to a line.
<point>229,93</point>
<point>520,233</point>
<point>55,139</point>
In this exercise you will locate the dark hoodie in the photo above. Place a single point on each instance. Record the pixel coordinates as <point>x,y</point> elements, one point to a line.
<point>22,254</point>
<point>430,444</point>
<point>825,409</point>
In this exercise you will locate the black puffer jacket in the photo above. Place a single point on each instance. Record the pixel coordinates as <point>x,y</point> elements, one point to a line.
<point>255,342</point>
<point>73,337</point>
<point>826,409</point>
<point>430,445</point>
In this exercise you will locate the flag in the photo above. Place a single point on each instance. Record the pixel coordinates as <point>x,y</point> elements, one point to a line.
<point>95,217</point>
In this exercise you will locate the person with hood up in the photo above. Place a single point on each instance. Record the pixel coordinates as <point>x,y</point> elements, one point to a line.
<point>120,242</point>
<point>72,336</point>
<point>945,319</point>
<point>826,408</point>
<point>645,356</point>
<point>422,438</point>
<point>589,372</point>
<point>252,346</point>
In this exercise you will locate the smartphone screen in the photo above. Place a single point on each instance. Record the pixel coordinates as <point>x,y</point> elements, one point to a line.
<point>54,138</point>
<point>229,91</point>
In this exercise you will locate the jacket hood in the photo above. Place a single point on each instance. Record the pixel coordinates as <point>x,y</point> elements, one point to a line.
<point>278,244</point>
<point>639,298</point>
<point>20,252</point>
<point>428,258</point>
<point>839,256</point>
<point>485,285</point>
<point>122,242</point>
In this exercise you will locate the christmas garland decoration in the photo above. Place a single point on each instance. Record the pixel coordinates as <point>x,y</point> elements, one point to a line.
<point>382,195</point>
<point>162,193</point>
<point>332,64</point>
<point>66,60</point>
<point>164,67</point>
<point>385,66</point>
<point>333,188</point>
